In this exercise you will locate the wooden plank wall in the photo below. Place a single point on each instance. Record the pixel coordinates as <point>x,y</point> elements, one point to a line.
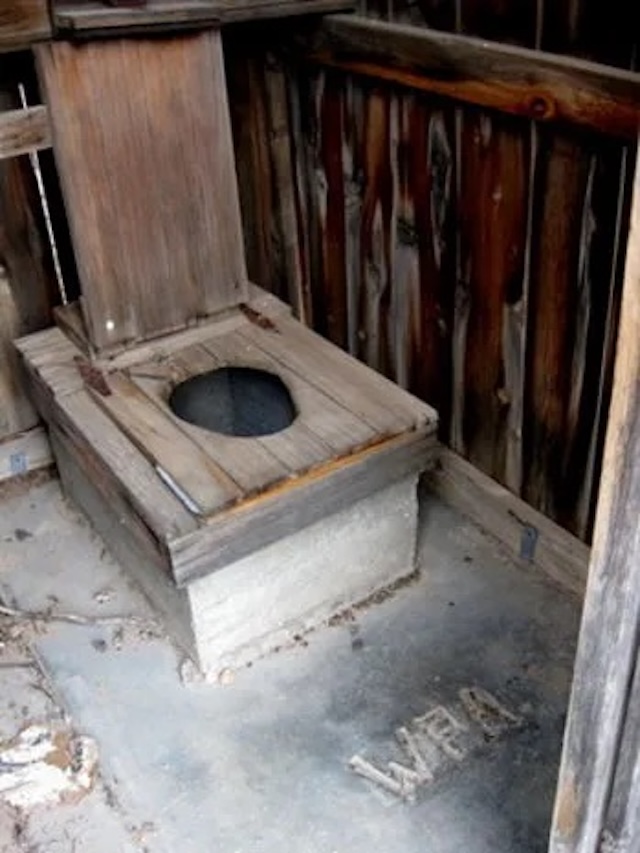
<point>28,287</point>
<point>472,256</point>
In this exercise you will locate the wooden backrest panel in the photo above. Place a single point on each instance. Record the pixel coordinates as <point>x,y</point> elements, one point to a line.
<point>143,145</point>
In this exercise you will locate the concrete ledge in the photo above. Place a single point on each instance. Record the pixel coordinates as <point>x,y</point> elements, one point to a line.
<point>263,601</point>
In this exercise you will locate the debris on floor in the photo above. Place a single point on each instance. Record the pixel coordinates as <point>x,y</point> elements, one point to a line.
<point>46,765</point>
<point>451,693</point>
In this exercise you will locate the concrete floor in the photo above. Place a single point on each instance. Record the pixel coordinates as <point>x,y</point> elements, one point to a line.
<point>260,764</point>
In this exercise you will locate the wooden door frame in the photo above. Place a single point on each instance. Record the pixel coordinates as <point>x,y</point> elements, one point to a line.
<point>597,807</point>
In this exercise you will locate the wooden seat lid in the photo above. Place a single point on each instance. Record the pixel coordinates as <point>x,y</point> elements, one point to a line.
<point>142,141</point>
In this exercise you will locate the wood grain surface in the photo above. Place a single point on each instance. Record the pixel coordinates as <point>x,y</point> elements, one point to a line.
<point>152,254</point>
<point>604,696</point>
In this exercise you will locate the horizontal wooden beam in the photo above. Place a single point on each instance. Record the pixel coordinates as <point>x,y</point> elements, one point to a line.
<point>526,534</point>
<point>95,18</point>
<point>22,23</point>
<point>527,83</point>
<point>24,131</point>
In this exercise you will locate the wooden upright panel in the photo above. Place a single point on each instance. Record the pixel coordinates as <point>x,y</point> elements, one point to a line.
<point>23,22</point>
<point>603,691</point>
<point>143,145</point>
<point>491,295</point>
<point>28,288</point>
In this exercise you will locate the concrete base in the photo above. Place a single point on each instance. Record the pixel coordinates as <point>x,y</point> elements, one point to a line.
<point>264,601</point>
<point>253,605</point>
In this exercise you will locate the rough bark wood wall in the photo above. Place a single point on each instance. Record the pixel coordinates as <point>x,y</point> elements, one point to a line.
<point>473,256</point>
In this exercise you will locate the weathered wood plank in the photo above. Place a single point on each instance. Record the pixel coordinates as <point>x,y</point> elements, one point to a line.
<point>608,645</point>
<point>424,262</point>
<point>24,131</point>
<point>253,468</point>
<point>574,285</point>
<point>283,171</point>
<point>28,288</point>
<point>622,820</point>
<point>526,533</point>
<point>49,360</point>
<point>297,447</point>
<point>122,469</point>
<point>334,425</point>
<point>152,255</point>
<point>523,82</point>
<point>93,18</point>
<point>375,243</point>
<point>376,400</point>
<point>70,319</point>
<point>494,157</point>
<point>609,317</point>
<point>248,105</point>
<point>493,223</point>
<point>90,483</point>
<point>331,292</point>
<point>233,11</point>
<point>167,447</point>
<point>297,504</point>
<point>23,22</point>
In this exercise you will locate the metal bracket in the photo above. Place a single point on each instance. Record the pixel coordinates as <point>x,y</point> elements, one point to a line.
<point>528,543</point>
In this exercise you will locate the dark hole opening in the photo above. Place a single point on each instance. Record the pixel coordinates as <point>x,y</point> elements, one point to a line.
<point>240,401</point>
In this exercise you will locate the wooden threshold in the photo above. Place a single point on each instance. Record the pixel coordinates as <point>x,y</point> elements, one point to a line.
<point>532,84</point>
<point>528,535</point>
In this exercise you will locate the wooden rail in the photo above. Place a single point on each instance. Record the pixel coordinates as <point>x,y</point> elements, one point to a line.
<point>528,83</point>
<point>95,18</point>
<point>26,22</point>
<point>23,131</point>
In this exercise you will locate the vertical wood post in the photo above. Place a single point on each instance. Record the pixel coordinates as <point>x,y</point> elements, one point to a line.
<point>601,708</point>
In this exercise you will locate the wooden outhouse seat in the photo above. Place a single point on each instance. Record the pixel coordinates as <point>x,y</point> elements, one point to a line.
<point>242,542</point>
<point>253,477</point>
